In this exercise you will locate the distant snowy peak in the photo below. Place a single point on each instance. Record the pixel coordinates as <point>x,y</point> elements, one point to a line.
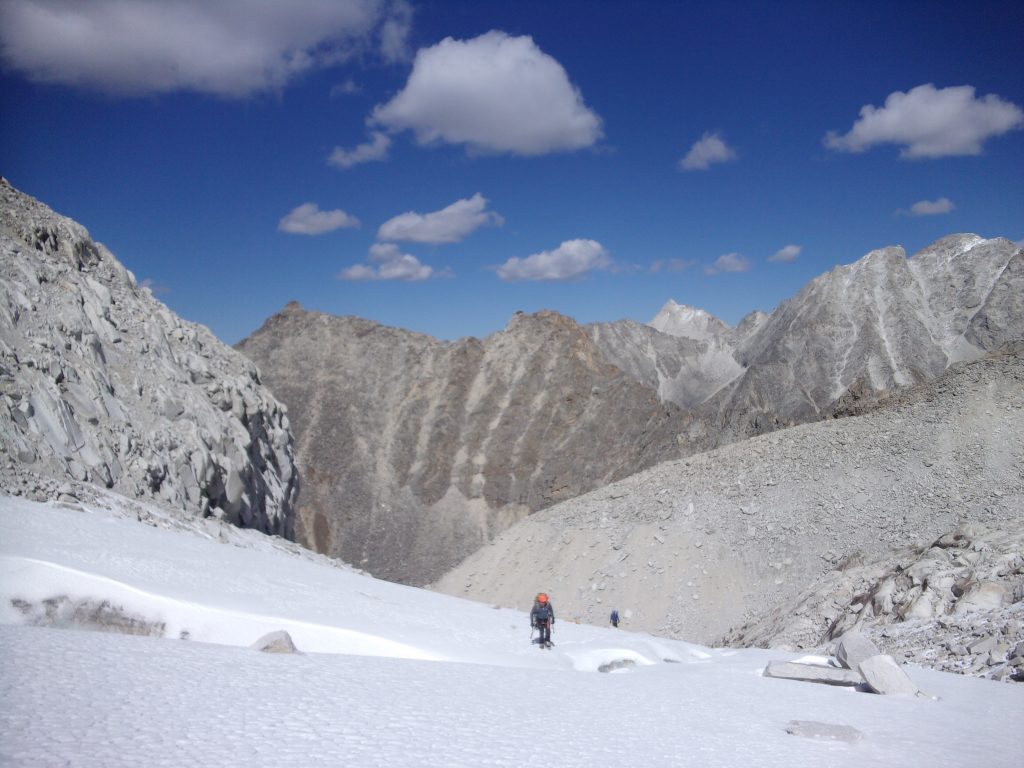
<point>688,322</point>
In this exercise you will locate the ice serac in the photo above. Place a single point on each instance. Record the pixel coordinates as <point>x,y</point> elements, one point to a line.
<point>416,452</point>
<point>102,383</point>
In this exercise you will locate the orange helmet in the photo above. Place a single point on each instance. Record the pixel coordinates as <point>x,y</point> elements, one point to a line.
<point>542,598</point>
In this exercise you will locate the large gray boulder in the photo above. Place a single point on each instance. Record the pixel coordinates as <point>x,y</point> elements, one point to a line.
<point>812,673</point>
<point>101,383</point>
<point>275,642</point>
<point>854,648</point>
<point>884,675</point>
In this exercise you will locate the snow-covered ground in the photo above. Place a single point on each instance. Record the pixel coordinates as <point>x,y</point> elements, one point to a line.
<point>394,676</point>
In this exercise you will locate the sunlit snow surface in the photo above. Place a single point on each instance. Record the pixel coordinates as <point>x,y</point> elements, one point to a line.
<point>394,676</point>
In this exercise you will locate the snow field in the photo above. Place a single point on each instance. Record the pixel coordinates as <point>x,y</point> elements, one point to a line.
<point>375,684</point>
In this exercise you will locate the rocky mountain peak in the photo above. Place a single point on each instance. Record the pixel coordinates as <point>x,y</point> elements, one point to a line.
<point>101,383</point>
<point>417,451</point>
<point>687,322</point>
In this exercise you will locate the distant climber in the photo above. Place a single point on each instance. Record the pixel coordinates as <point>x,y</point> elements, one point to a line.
<point>615,618</point>
<point>541,618</point>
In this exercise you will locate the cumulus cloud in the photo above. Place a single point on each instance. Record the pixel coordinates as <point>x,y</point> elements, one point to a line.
<point>494,93</point>
<point>449,225</point>
<point>786,253</point>
<point>709,149</point>
<point>387,262</point>
<point>571,260</point>
<point>931,207</point>
<point>308,219</point>
<point>230,48</point>
<point>375,149</point>
<point>930,122</point>
<point>728,262</point>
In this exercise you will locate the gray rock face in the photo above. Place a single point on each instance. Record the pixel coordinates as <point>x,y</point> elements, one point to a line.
<point>884,321</point>
<point>416,452</point>
<point>101,383</point>
<point>920,604</point>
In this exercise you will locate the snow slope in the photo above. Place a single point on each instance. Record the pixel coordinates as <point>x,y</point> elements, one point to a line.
<point>390,675</point>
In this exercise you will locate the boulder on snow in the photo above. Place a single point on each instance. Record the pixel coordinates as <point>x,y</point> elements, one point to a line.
<point>811,673</point>
<point>812,729</point>
<point>275,642</point>
<point>884,675</point>
<point>853,649</point>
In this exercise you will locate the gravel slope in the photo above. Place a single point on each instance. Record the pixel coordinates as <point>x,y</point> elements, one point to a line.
<point>695,547</point>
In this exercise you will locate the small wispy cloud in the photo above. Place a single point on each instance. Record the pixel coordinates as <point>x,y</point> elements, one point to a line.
<point>308,219</point>
<point>708,150</point>
<point>930,122</point>
<point>672,265</point>
<point>728,262</point>
<point>786,254</point>
<point>387,262</point>
<point>448,225</point>
<point>154,287</point>
<point>929,208</point>
<point>570,261</point>
<point>374,149</point>
<point>346,88</point>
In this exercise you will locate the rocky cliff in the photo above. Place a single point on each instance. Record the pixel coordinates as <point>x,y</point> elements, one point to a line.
<point>881,322</point>
<point>415,452</point>
<point>102,383</point>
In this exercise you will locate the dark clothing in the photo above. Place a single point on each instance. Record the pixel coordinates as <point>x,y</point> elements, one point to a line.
<point>615,618</point>
<point>544,627</point>
<point>541,618</point>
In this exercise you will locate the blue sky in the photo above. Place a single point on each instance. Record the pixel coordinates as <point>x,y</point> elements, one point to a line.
<point>438,166</point>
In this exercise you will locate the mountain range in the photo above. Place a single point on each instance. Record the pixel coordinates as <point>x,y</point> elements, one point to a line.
<point>643,467</point>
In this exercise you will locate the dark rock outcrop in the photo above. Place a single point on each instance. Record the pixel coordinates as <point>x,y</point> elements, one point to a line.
<point>415,452</point>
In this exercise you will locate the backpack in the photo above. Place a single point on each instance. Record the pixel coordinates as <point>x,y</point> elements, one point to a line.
<point>542,611</point>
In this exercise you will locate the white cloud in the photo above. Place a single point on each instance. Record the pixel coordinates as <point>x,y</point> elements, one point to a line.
<point>786,253</point>
<point>394,33</point>
<point>308,219</point>
<point>932,207</point>
<point>710,149</point>
<point>930,122</point>
<point>389,263</point>
<point>231,48</point>
<point>728,262</point>
<point>494,93</point>
<point>572,259</point>
<point>449,225</point>
<point>375,149</point>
